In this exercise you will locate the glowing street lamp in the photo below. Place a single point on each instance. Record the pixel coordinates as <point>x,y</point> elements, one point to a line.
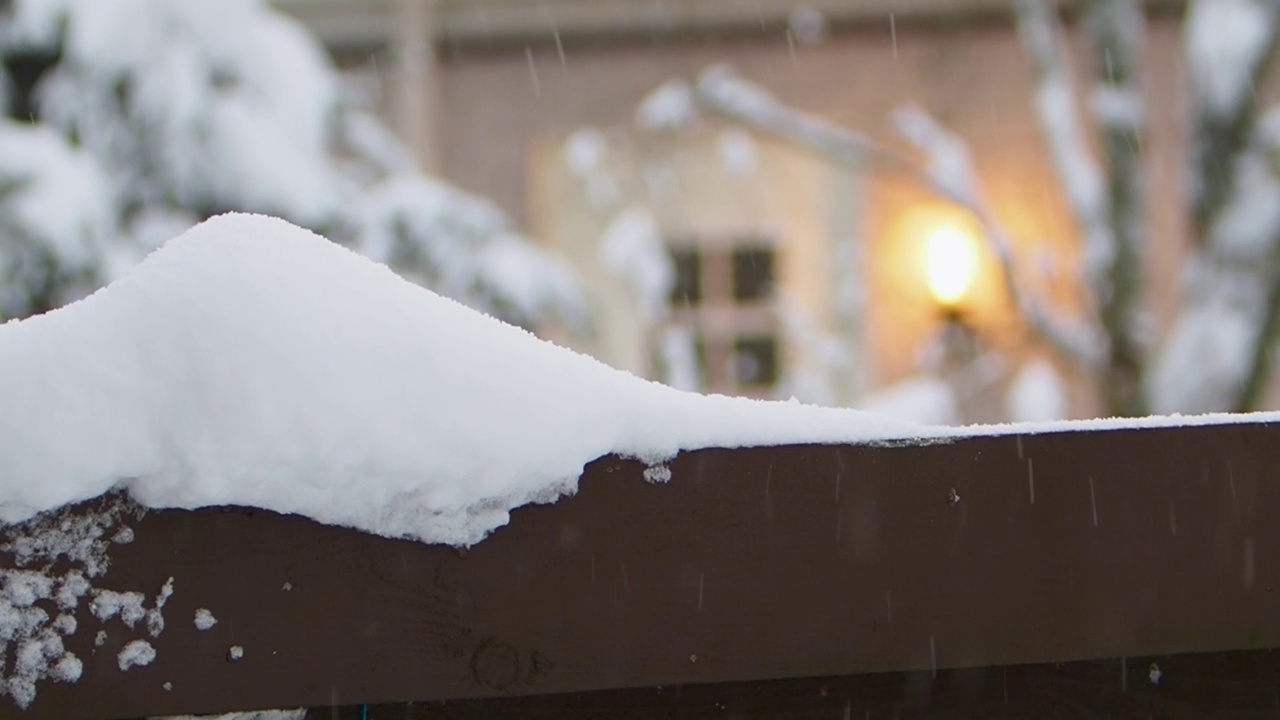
<point>951,264</point>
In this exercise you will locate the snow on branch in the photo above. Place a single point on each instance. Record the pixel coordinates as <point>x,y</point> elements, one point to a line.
<point>464,247</point>
<point>1232,280</point>
<point>153,115</point>
<point>1107,205</point>
<point>1076,167</point>
<point>1253,223</point>
<point>950,174</point>
<point>720,91</point>
<point>1115,31</point>
<point>1217,356</point>
<point>1228,42</point>
<point>55,218</point>
<point>1229,46</point>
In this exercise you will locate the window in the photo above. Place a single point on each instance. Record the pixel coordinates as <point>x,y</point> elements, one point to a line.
<point>687,290</point>
<point>752,274</point>
<point>723,295</point>
<point>755,361</point>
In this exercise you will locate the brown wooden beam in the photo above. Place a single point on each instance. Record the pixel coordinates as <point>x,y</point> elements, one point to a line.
<point>1220,685</point>
<point>749,565</point>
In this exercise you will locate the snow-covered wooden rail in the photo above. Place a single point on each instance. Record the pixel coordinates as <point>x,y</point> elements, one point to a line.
<point>823,568</point>
<point>756,582</point>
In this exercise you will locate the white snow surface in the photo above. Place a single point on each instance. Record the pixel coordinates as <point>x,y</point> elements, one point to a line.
<point>249,362</point>
<point>137,653</point>
<point>1037,394</point>
<point>54,208</point>
<point>738,151</point>
<point>465,247</point>
<point>807,24</point>
<point>1211,342</point>
<point>680,358</point>
<point>924,399</point>
<point>1080,176</point>
<point>61,197</point>
<point>236,98</point>
<point>632,247</point>
<point>249,715</point>
<point>950,163</point>
<point>1225,40</point>
<point>670,106</point>
<point>204,619</point>
<point>584,151</point>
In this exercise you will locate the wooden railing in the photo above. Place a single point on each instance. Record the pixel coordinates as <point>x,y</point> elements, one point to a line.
<point>1076,574</point>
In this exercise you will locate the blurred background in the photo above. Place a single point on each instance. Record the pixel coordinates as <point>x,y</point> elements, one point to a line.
<point>949,211</point>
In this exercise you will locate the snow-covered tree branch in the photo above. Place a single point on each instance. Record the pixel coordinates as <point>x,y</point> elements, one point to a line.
<point>1108,208</point>
<point>1217,355</point>
<point>1114,29</point>
<point>948,173</point>
<point>204,106</point>
<point>1229,48</point>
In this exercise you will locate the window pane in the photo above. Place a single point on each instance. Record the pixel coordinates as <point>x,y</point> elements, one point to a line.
<point>755,361</point>
<point>687,290</point>
<point>752,274</point>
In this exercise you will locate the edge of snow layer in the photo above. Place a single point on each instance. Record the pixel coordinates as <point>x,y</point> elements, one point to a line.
<point>250,362</point>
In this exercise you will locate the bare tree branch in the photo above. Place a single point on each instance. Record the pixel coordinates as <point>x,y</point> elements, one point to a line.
<point>722,93</point>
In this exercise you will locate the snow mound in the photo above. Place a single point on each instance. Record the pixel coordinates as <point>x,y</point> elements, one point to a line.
<point>250,362</point>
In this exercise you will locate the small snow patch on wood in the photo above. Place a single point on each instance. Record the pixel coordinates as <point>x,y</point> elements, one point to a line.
<point>205,619</point>
<point>138,653</point>
<point>657,474</point>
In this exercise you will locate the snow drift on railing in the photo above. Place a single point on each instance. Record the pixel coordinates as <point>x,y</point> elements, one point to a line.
<point>250,362</point>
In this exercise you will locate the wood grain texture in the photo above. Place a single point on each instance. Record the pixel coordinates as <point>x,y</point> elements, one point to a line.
<point>749,565</point>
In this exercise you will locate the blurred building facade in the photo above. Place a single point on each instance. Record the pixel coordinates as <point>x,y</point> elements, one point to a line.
<point>787,267</point>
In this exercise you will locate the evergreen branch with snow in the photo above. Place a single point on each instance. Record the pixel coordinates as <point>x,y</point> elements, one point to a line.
<point>143,118</point>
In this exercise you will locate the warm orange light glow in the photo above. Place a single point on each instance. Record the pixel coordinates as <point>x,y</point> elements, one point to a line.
<point>951,263</point>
